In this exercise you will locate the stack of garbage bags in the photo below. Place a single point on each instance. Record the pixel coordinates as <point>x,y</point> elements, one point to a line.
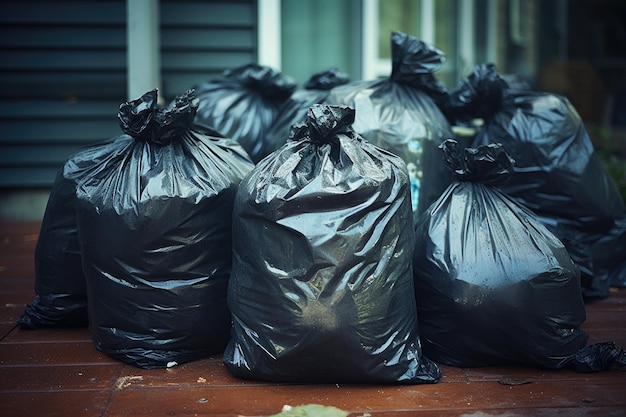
<point>305,234</point>
<point>151,212</point>
<point>557,174</point>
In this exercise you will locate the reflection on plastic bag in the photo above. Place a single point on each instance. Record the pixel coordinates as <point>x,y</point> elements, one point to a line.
<point>398,113</point>
<point>244,104</point>
<point>294,110</point>
<point>493,285</point>
<point>557,175</point>
<point>154,224</point>
<point>321,287</point>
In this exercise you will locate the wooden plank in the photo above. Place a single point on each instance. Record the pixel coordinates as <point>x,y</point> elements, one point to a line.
<point>50,354</point>
<point>43,336</point>
<point>21,264</point>
<point>12,229</point>
<point>210,372</point>
<point>59,378</point>
<point>6,326</point>
<point>267,399</point>
<point>58,404</point>
<point>520,411</point>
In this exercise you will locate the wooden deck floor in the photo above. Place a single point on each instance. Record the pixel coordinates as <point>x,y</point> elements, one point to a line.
<point>60,373</point>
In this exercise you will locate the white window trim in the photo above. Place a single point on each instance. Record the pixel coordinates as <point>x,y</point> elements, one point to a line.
<point>143,46</point>
<point>466,52</point>
<point>268,34</point>
<point>372,65</point>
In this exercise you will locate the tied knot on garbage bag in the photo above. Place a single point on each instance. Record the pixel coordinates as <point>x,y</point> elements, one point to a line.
<point>323,124</point>
<point>146,120</point>
<point>414,62</point>
<point>479,94</point>
<point>267,81</point>
<point>327,79</point>
<point>489,164</point>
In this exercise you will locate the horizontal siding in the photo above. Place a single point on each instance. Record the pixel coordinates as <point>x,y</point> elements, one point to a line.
<point>208,13</point>
<point>207,38</point>
<point>202,39</point>
<point>27,176</point>
<point>62,38</point>
<point>80,131</point>
<point>62,79</point>
<point>17,156</point>
<point>63,71</point>
<point>62,85</point>
<point>62,60</point>
<point>50,13</point>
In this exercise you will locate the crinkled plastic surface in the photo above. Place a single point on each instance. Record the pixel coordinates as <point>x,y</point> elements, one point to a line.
<point>596,357</point>
<point>398,113</point>
<point>243,105</point>
<point>557,175</point>
<point>479,95</point>
<point>294,110</point>
<point>493,285</point>
<point>154,219</point>
<point>61,299</point>
<point>321,287</point>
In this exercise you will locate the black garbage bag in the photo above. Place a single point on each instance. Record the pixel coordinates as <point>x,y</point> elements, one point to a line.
<point>315,91</point>
<point>558,174</point>
<point>596,357</point>
<point>399,113</point>
<point>243,105</point>
<point>321,287</point>
<point>477,96</point>
<point>493,285</point>
<point>155,229</point>
<point>61,292</point>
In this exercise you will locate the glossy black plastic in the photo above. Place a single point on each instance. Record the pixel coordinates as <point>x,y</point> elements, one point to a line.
<point>321,288</point>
